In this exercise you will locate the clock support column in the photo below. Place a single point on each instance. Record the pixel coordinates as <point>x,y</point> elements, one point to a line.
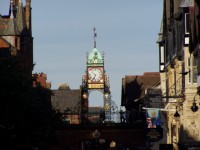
<point>107,99</point>
<point>84,100</point>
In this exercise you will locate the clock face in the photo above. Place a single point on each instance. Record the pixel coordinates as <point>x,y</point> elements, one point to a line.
<point>95,74</point>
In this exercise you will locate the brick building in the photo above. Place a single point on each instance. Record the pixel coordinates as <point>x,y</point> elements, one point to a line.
<point>16,34</point>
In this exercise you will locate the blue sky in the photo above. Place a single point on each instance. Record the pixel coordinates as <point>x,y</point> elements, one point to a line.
<point>127,32</point>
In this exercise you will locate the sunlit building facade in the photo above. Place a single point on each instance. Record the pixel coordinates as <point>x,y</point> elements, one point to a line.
<point>179,70</point>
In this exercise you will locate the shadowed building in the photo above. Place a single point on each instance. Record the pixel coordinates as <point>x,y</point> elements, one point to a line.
<point>16,34</point>
<point>134,95</point>
<point>134,87</point>
<point>94,114</point>
<point>41,79</point>
<point>67,102</point>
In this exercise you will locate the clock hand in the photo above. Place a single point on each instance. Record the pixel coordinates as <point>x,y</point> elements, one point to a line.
<point>94,76</point>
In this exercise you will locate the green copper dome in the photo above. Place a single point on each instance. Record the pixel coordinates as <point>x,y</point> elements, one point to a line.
<point>95,58</point>
<point>95,53</point>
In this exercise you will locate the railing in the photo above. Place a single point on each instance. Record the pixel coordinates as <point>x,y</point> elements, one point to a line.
<point>175,90</point>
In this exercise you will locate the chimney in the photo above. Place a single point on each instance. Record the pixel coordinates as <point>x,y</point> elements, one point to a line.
<point>28,14</point>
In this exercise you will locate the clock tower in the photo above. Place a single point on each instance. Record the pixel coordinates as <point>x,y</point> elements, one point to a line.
<point>95,78</point>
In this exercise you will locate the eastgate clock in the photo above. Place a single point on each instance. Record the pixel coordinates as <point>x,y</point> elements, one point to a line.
<point>95,74</point>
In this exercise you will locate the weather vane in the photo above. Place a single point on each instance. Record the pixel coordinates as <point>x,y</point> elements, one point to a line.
<point>95,35</point>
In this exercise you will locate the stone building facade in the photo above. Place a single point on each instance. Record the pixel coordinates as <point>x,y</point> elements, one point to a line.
<point>179,70</point>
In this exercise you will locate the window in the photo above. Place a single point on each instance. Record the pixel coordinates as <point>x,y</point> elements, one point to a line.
<point>162,56</point>
<point>187,26</point>
<point>192,70</point>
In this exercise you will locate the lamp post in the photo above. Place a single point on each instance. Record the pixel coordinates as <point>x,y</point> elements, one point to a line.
<point>176,115</point>
<point>176,128</point>
<point>112,144</point>
<point>84,106</point>
<point>194,106</point>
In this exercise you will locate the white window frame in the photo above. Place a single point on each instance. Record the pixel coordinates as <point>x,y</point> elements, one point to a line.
<point>192,70</point>
<point>187,19</point>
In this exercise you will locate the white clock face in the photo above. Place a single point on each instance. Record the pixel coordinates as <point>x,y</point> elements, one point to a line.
<point>95,74</point>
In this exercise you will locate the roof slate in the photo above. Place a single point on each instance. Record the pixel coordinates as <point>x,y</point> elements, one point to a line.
<point>61,99</point>
<point>3,25</point>
<point>11,29</point>
<point>15,23</point>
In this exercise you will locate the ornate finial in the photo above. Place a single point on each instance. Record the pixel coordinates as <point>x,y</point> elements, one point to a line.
<point>87,56</point>
<point>95,35</point>
<point>11,15</point>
